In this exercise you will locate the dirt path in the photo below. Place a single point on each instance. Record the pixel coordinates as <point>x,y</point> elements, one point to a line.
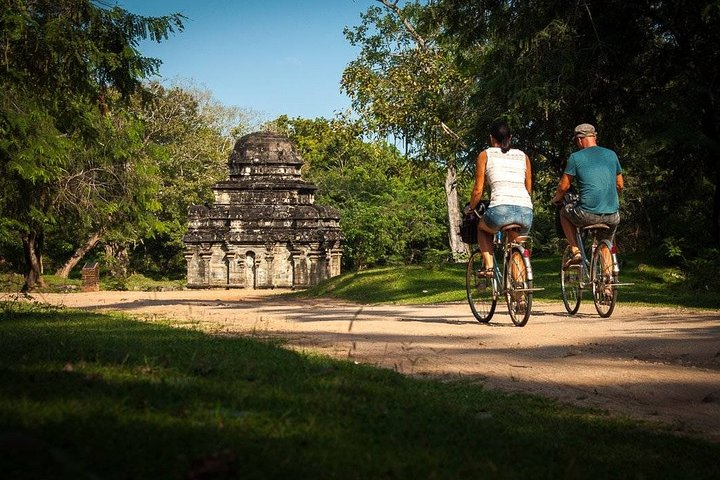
<point>656,364</point>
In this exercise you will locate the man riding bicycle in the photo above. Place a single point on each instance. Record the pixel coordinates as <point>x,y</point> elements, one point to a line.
<point>599,180</point>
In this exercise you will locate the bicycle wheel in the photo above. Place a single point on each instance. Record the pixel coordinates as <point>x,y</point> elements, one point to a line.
<point>570,283</point>
<point>479,289</point>
<point>519,300</point>
<point>604,292</point>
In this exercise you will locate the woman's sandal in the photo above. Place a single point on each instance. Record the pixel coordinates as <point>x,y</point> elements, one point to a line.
<point>485,273</point>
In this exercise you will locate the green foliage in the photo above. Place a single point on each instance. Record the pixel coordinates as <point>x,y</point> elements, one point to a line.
<point>642,73</point>
<point>703,271</point>
<point>411,284</point>
<point>189,136</point>
<point>77,388</point>
<point>63,62</point>
<point>138,282</point>
<point>404,81</point>
<point>391,209</point>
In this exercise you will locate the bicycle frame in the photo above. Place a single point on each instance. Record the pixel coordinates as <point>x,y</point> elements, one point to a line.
<point>597,271</point>
<point>585,262</point>
<point>512,278</point>
<point>503,247</point>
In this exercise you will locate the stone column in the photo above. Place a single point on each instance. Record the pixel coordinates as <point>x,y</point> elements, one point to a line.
<point>315,260</point>
<point>336,266</point>
<point>219,268</point>
<point>300,267</point>
<point>191,259</point>
<point>236,269</point>
<point>260,272</point>
<point>269,267</point>
<point>204,268</point>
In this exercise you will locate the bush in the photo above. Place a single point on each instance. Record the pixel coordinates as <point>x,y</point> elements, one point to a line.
<point>703,271</point>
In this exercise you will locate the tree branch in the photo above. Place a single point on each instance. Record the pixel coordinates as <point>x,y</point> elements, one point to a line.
<point>421,45</point>
<point>419,41</point>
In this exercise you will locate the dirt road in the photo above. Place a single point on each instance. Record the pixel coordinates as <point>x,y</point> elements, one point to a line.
<point>655,364</point>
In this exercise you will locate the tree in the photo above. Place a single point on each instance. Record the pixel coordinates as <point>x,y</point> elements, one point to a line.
<point>405,83</point>
<point>646,73</point>
<point>60,58</point>
<point>391,209</point>
<point>191,135</point>
<point>110,189</point>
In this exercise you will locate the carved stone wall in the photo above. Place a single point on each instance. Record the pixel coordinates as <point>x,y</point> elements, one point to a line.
<point>263,230</point>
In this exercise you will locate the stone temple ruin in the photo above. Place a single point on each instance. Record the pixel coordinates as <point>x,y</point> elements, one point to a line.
<point>263,231</point>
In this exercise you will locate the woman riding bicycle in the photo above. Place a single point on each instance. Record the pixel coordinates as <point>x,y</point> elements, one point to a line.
<point>506,172</point>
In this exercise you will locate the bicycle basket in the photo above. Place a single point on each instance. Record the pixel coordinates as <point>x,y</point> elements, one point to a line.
<point>468,228</point>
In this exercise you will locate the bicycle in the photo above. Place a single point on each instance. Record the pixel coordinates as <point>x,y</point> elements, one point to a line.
<point>515,281</point>
<point>600,271</point>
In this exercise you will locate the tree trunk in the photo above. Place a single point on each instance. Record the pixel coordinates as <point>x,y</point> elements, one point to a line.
<point>65,270</point>
<point>116,255</point>
<point>31,248</point>
<point>458,249</point>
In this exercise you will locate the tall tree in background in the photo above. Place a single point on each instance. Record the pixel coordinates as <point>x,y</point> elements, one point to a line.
<point>190,134</point>
<point>405,83</point>
<point>108,191</point>
<point>391,208</point>
<point>646,73</point>
<point>59,59</point>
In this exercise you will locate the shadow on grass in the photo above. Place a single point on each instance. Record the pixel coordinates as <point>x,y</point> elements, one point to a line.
<point>96,396</point>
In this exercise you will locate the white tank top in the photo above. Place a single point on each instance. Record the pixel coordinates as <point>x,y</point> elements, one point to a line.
<point>505,176</point>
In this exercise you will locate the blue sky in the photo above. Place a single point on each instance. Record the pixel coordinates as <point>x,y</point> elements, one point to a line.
<point>271,56</point>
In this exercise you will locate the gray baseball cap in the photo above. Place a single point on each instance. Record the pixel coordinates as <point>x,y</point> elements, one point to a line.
<point>585,130</point>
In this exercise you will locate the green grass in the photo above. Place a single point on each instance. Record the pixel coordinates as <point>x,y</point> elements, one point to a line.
<point>137,282</point>
<point>653,284</point>
<point>13,283</point>
<point>96,396</point>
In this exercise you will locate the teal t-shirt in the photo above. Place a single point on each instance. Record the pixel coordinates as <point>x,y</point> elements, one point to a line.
<point>596,170</point>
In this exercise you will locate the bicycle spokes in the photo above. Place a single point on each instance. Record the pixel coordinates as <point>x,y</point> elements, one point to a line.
<point>570,283</point>
<point>603,280</point>
<point>518,288</point>
<point>480,290</point>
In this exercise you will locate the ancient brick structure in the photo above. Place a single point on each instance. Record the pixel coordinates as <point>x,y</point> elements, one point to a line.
<point>264,230</point>
<point>91,277</point>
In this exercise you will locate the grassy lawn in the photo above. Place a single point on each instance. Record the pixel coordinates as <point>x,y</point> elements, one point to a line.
<point>653,285</point>
<point>14,282</point>
<point>97,396</point>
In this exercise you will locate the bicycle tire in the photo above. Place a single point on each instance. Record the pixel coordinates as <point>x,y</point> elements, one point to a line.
<point>519,301</point>
<point>480,294</point>
<point>602,278</point>
<point>570,279</point>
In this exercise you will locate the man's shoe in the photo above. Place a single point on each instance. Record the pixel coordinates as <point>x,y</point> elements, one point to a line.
<point>574,260</point>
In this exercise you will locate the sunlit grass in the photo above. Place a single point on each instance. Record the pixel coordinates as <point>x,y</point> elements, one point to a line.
<point>445,282</point>
<point>400,284</point>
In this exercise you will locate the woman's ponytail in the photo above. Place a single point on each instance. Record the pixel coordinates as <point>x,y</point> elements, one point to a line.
<point>500,131</point>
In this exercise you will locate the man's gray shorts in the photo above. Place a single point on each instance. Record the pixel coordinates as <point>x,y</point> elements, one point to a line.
<point>581,218</point>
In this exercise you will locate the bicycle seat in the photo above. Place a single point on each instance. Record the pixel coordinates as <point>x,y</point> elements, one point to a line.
<point>596,226</point>
<point>511,226</point>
